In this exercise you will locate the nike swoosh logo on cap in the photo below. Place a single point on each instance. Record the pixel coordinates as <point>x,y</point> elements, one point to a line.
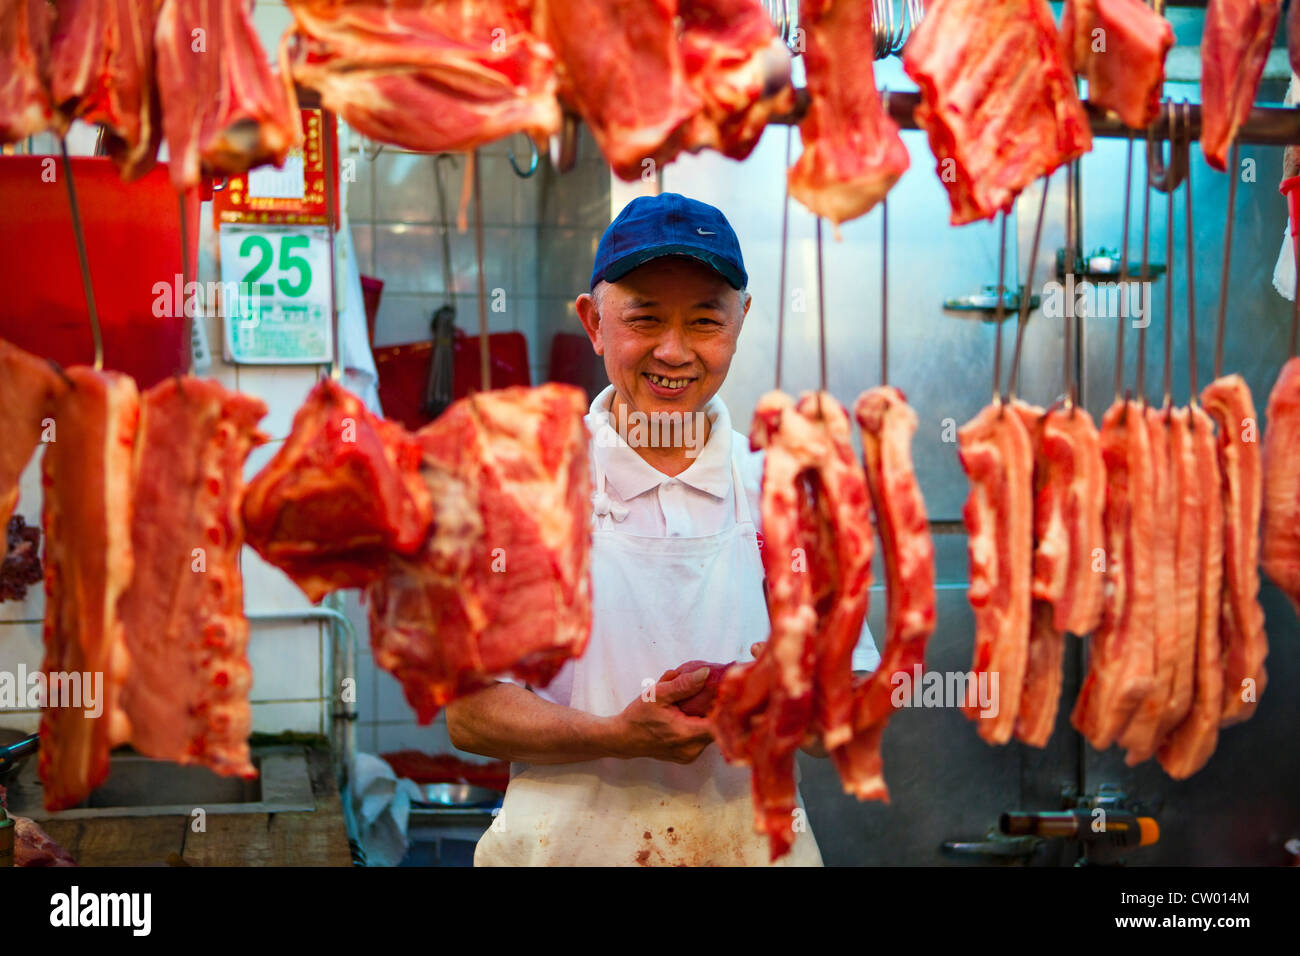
<point>704,232</point>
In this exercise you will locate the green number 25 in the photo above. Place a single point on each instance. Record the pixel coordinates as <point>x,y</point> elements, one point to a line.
<point>289,262</point>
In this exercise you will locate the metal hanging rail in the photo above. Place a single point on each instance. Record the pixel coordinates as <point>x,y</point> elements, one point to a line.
<point>1266,125</point>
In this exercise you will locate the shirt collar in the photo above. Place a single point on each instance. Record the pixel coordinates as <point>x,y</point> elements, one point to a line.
<point>632,475</point>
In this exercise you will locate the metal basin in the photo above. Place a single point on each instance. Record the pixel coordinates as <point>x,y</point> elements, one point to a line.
<point>141,786</point>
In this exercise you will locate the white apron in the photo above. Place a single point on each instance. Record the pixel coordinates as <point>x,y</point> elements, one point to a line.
<point>656,603</point>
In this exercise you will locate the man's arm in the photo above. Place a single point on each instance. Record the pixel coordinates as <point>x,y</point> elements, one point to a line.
<point>508,722</point>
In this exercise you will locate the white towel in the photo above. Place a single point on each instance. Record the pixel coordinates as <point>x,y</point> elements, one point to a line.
<point>1284,271</point>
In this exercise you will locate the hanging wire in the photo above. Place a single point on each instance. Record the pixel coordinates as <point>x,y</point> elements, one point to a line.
<point>80,237</point>
<point>1145,296</point>
<point>999,313</point>
<point>884,269</point>
<point>1169,269</point>
<point>327,155</point>
<point>785,226</point>
<point>484,353</point>
<point>884,291</point>
<point>821,315</point>
<point>1233,173</point>
<point>1191,282</point>
<point>1123,273</point>
<point>1071,386</point>
<point>1025,289</point>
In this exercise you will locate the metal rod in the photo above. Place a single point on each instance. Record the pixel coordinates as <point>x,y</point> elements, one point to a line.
<point>484,354</point>
<point>327,154</point>
<point>1071,396</point>
<point>1233,172</point>
<point>884,293</point>
<point>1191,283</point>
<point>999,311</point>
<point>1123,273</point>
<point>1026,288</point>
<point>80,237</point>
<point>1167,402</point>
<point>343,714</point>
<point>821,309</point>
<point>1264,125</point>
<point>1144,297</point>
<point>785,228</point>
<point>1169,299</point>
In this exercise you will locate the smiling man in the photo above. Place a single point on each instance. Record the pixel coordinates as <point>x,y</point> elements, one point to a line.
<point>606,768</point>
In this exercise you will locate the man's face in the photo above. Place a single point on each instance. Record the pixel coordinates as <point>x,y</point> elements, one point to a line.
<point>667,331</point>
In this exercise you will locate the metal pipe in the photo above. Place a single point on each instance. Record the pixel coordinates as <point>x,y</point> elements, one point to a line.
<point>343,718</point>
<point>1264,125</point>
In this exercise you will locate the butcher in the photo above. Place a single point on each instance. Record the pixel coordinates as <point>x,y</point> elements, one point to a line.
<point>606,768</point>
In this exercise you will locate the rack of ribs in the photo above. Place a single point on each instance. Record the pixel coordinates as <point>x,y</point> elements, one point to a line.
<point>187,694</point>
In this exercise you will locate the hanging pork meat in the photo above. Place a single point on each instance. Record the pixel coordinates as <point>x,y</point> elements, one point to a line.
<point>907,551</point>
<point>1069,494</point>
<point>1191,742</point>
<point>86,473</point>
<point>817,559</point>
<point>1234,48</point>
<point>24,68</point>
<point>102,71</point>
<point>28,388</point>
<point>739,70</point>
<point>997,100</point>
<point>1121,656</point>
<point>223,110</point>
<point>503,583</point>
<point>1119,47</point>
<point>342,492</point>
<point>852,151</point>
<point>187,693</point>
<point>1188,493</point>
<point>1245,645</point>
<point>426,74</point>
<point>1280,554</point>
<point>997,454</point>
<point>1142,734</point>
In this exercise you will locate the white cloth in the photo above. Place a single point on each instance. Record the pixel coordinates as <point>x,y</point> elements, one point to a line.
<point>380,805</point>
<point>1284,271</point>
<point>658,601</point>
<point>361,377</point>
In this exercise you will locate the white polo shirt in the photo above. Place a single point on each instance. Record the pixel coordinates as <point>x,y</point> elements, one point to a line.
<point>699,501</point>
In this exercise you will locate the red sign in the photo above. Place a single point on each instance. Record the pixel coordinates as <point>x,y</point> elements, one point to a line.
<point>235,203</point>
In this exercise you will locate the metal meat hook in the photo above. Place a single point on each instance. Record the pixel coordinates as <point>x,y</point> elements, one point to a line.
<point>1162,175</point>
<point>533,160</point>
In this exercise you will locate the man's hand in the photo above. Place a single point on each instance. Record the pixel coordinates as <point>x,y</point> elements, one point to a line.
<point>657,729</point>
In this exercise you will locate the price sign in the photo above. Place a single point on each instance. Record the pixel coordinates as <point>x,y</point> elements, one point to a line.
<point>275,290</point>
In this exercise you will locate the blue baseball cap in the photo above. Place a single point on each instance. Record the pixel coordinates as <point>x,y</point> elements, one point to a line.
<point>669,224</point>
